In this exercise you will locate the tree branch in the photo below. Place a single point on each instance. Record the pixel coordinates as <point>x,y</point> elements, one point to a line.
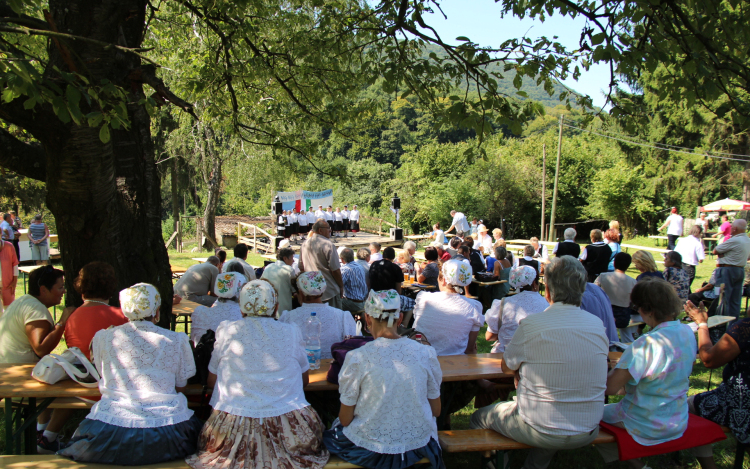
<point>26,159</point>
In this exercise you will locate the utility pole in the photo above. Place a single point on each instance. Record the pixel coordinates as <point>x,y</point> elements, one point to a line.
<point>544,184</point>
<point>554,192</point>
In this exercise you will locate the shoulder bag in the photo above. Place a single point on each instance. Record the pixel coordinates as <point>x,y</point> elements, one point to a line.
<point>71,364</point>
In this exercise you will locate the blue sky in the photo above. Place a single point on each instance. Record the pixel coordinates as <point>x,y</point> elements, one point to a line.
<point>480,21</point>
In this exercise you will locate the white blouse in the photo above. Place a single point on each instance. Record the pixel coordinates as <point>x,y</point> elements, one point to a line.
<point>354,215</point>
<point>140,365</point>
<point>205,318</point>
<point>389,382</point>
<point>447,319</point>
<point>335,323</point>
<point>338,216</point>
<point>259,364</point>
<point>515,308</point>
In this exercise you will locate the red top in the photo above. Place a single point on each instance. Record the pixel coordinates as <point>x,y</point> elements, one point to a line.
<point>726,230</point>
<point>446,256</point>
<point>87,321</point>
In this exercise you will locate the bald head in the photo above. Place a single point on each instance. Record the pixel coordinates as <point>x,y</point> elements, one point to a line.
<point>739,226</point>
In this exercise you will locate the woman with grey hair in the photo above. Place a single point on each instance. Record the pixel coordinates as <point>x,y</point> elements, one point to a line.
<point>568,247</point>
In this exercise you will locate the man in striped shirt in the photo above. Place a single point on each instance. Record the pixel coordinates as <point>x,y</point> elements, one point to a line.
<point>355,282</point>
<point>559,357</point>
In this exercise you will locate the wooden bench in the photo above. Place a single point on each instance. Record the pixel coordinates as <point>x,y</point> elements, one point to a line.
<point>487,441</point>
<point>56,462</point>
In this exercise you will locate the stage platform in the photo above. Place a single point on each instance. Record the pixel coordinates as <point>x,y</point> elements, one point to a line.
<point>361,240</point>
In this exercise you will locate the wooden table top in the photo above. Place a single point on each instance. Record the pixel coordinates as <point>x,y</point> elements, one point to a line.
<point>16,380</point>
<point>185,308</point>
<point>487,284</point>
<point>28,268</point>
<point>178,270</point>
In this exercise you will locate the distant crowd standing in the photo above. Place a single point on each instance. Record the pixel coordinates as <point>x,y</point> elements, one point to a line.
<point>390,387</point>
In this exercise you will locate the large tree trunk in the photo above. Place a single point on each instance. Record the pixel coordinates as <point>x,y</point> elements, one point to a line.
<point>105,197</point>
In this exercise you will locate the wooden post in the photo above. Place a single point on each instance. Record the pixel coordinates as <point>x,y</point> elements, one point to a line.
<point>380,227</point>
<point>544,185</point>
<point>199,232</point>
<point>178,239</point>
<point>255,239</point>
<point>554,191</point>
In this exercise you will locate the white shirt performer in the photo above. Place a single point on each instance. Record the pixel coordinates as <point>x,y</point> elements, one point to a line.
<point>460,223</point>
<point>354,220</point>
<point>674,228</point>
<point>346,221</point>
<point>560,388</point>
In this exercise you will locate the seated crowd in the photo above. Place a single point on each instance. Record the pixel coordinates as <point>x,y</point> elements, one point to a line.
<point>259,367</point>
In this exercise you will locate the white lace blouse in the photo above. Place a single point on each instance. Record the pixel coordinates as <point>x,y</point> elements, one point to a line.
<point>205,318</point>
<point>447,319</point>
<point>140,365</point>
<point>515,308</point>
<point>334,323</point>
<point>259,364</point>
<point>389,382</point>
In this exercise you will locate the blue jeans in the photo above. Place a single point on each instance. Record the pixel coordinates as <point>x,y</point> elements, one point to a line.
<point>732,278</point>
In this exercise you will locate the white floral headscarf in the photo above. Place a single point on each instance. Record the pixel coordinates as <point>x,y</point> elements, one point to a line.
<point>312,283</point>
<point>383,304</point>
<point>457,273</point>
<point>522,275</point>
<point>258,298</point>
<point>140,301</point>
<point>229,284</point>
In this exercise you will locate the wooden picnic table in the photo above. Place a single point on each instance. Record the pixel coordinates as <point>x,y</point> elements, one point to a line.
<point>183,310</point>
<point>26,270</point>
<point>644,248</point>
<point>200,259</point>
<point>713,321</point>
<point>487,284</point>
<point>16,382</point>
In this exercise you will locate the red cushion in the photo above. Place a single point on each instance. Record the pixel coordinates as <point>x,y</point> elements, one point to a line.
<point>699,432</point>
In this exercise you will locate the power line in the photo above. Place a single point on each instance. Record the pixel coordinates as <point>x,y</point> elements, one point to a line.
<point>664,148</point>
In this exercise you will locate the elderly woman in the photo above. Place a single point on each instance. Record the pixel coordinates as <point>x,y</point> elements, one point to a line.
<point>676,275</point>
<point>390,396</point>
<point>429,269</point>
<point>336,324</point>
<point>615,225</point>
<point>646,265</point>
<point>611,237</point>
<point>259,369</point>
<point>450,320</point>
<point>226,307</point>
<point>497,234</point>
<point>403,259</point>
<point>143,417</point>
<point>727,403</point>
<point>654,371</point>
<point>504,315</point>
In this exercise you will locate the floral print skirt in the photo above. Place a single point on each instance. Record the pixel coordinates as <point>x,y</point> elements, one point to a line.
<point>290,441</point>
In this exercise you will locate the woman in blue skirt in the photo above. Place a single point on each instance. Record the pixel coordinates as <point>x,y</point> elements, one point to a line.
<point>143,417</point>
<point>390,396</point>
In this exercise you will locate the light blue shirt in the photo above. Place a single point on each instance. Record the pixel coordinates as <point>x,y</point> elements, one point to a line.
<point>654,409</point>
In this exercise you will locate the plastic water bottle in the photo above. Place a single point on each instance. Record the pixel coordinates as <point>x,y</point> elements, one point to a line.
<point>312,341</point>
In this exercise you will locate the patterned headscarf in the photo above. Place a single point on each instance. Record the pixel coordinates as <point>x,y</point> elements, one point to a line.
<point>229,284</point>
<point>140,301</point>
<point>457,273</point>
<point>522,275</point>
<point>312,283</point>
<point>383,304</point>
<point>258,298</point>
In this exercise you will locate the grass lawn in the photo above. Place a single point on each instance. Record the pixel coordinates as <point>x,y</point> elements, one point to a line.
<point>570,459</point>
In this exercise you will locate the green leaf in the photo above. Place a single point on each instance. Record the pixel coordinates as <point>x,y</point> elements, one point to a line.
<point>94,118</point>
<point>104,134</point>
<point>61,109</point>
<point>463,38</point>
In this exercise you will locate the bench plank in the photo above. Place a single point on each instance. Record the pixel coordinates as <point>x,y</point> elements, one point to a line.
<point>56,462</point>
<point>462,441</point>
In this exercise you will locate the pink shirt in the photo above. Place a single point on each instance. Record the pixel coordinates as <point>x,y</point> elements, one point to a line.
<point>726,230</point>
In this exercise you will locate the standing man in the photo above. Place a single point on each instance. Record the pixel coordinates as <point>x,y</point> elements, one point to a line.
<point>17,226</point>
<point>7,229</point>
<point>691,250</point>
<point>355,282</point>
<point>354,220</point>
<point>345,216</point>
<point>460,223</point>
<point>319,254</point>
<point>560,387</point>
<point>733,255</point>
<point>674,228</point>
